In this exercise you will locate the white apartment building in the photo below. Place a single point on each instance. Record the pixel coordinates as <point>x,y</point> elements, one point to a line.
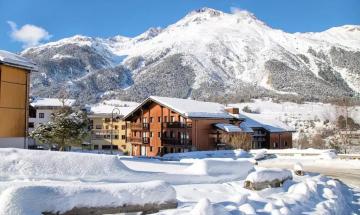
<point>42,108</point>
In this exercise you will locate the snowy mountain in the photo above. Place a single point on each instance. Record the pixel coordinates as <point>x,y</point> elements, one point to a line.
<point>208,54</point>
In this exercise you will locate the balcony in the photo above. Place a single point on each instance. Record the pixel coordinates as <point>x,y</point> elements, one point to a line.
<point>139,126</point>
<point>177,125</point>
<point>139,140</point>
<point>135,140</point>
<point>174,141</point>
<point>104,132</point>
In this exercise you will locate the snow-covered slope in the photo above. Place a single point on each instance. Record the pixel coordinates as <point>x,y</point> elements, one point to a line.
<point>207,54</point>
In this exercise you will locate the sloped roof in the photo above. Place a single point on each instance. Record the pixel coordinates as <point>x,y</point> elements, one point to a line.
<point>16,60</point>
<point>105,108</point>
<point>262,121</point>
<point>189,108</point>
<point>228,127</point>
<point>51,102</point>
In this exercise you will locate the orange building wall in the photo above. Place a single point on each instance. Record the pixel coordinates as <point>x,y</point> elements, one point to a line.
<point>202,128</point>
<point>283,140</point>
<point>13,101</point>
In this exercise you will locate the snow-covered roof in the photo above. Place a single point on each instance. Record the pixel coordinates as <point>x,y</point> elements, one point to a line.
<point>262,121</point>
<point>106,107</point>
<point>190,108</point>
<point>52,102</point>
<point>228,127</point>
<point>16,60</point>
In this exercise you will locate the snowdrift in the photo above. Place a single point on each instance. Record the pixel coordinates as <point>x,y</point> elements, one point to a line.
<point>20,164</point>
<point>35,199</point>
<point>26,164</point>
<point>240,169</point>
<point>234,154</point>
<point>263,175</point>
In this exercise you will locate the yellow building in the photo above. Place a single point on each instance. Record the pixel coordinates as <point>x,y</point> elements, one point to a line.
<point>102,128</point>
<point>14,96</point>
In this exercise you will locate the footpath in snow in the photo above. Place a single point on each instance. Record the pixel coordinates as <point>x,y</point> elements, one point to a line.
<point>32,182</point>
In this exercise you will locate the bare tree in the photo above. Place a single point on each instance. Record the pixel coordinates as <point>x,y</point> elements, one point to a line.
<point>317,142</point>
<point>237,140</point>
<point>63,96</point>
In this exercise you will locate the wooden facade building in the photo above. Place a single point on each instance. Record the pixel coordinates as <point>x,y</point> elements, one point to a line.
<point>14,99</point>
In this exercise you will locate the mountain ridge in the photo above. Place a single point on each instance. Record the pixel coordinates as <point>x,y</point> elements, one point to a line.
<point>212,55</point>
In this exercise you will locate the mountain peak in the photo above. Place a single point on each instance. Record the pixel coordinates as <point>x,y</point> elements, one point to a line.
<point>206,10</point>
<point>150,33</point>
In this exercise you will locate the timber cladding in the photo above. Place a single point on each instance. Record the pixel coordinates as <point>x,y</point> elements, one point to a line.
<point>14,84</point>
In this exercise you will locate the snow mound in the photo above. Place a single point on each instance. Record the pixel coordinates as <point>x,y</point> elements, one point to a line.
<point>203,207</point>
<point>298,167</point>
<point>208,154</point>
<point>260,154</point>
<point>35,199</point>
<point>221,167</point>
<point>27,164</point>
<point>272,174</point>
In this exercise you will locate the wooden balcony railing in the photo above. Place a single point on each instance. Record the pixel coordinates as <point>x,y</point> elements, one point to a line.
<point>175,141</point>
<point>139,126</point>
<point>135,140</point>
<point>177,125</point>
<point>139,140</point>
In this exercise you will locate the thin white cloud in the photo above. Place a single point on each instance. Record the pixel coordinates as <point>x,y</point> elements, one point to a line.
<point>29,35</point>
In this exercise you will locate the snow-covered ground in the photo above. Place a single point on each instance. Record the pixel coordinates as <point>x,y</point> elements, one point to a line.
<point>35,181</point>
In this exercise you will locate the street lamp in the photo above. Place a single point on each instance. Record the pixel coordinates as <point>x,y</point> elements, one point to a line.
<point>117,111</point>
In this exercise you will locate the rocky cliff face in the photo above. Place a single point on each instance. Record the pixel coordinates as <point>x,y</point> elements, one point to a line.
<point>206,55</point>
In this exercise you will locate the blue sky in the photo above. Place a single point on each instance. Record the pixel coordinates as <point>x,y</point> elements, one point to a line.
<point>29,22</point>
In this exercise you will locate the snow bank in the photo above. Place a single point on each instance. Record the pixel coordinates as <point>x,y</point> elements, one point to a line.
<point>260,154</point>
<point>208,154</point>
<point>35,199</point>
<point>203,207</point>
<point>220,167</point>
<point>272,174</point>
<point>27,164</point>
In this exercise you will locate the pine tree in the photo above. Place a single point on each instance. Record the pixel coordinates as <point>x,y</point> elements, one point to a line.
<point>66,128</point>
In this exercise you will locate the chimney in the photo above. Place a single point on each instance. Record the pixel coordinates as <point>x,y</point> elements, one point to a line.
<point>232,110</point>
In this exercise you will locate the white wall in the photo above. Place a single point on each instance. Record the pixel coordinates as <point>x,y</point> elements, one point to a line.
<point>37,121</point>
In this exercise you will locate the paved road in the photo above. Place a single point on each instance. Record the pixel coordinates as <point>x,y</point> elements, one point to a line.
<point>351,177</point>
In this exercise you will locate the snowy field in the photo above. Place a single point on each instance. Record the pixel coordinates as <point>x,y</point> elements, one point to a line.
<point>32,182</point>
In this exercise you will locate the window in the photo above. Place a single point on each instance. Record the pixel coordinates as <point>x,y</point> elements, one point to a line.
<point>144,120</point>
<point>151,134</point>
<point>165,118</point>
<point>123,127</point>
<point>116,127</point>
<point>159,134</point>
<point>107,127</point>
<point>123,137</point>
<point>96,147</point>
<point>179,150</point>
<point>98,126</point>
<point>41,115</point>
<point>116,137</point>
<point>165,134</point>
<point>159,119</point>
<point>171,150</point>
<point>151,120</point>
<point>107,119</point>
<point>171,134</point>
<point>151,148</point>
<point>31,125</point>
<point>172,119</point>
<point>286,144</point>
